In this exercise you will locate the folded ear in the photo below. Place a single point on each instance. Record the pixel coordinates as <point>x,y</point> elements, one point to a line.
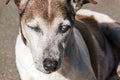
<point>21,4</point>
<point>77,4</point>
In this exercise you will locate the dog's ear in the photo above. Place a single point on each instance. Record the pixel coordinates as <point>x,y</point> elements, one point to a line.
<point>77,4</point>
<point>21,4</point>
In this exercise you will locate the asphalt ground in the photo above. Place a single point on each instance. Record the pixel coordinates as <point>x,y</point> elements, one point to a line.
<point>9,23</point>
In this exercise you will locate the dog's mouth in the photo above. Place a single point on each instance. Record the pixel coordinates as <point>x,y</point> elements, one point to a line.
<point>48,71</point>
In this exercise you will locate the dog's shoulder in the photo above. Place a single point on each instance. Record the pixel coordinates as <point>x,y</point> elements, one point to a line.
<point>108,26</point>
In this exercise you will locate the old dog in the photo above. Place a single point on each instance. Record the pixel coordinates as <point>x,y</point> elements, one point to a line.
<point>56,44</point>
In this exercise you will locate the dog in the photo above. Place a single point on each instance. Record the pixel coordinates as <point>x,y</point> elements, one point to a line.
<point>56,44</point>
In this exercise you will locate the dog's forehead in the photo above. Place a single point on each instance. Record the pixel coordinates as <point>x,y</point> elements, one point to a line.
<point>45,9</point>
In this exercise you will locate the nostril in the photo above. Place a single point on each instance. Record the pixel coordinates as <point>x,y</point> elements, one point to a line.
<point>50,65</point>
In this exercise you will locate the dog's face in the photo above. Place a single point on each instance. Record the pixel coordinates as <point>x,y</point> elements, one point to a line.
<point>46,26</point>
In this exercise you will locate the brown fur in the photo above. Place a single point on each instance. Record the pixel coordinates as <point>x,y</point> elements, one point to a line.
<point>40,8</point>
<point>31,8</point>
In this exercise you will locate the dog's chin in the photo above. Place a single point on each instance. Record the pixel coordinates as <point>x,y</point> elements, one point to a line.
<point>44,71</point>
<point>48,72</point>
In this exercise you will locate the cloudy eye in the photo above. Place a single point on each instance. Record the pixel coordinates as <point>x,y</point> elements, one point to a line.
<point>64,28</point>
<point>37,29</point>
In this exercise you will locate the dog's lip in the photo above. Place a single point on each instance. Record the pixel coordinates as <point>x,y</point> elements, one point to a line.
<point>49,72</point>
<point>46,72</point>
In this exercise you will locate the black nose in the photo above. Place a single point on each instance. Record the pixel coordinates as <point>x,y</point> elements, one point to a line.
<point>50,65</point>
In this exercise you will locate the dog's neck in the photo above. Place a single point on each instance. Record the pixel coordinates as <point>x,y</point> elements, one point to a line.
<point>76,53</point>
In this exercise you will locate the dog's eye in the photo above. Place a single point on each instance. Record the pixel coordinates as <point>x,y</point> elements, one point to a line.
<point>37,29</point>
<point>64,28</point>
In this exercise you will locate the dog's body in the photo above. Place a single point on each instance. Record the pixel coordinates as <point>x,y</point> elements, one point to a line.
<point>76,64</point>
<point>77,51</point>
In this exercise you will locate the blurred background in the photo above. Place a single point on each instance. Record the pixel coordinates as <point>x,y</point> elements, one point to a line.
<point>9,23</point>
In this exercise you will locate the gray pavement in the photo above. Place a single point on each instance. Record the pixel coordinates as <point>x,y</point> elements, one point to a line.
<point>9,22</point>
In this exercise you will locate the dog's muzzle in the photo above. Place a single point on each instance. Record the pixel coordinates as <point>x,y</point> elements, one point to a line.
<point>50,65</point>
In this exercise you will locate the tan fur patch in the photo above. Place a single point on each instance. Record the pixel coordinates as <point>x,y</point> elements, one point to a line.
<point>78,16</point>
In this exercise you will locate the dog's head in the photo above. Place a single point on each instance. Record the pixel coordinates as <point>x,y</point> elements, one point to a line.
<point>46,26</point>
